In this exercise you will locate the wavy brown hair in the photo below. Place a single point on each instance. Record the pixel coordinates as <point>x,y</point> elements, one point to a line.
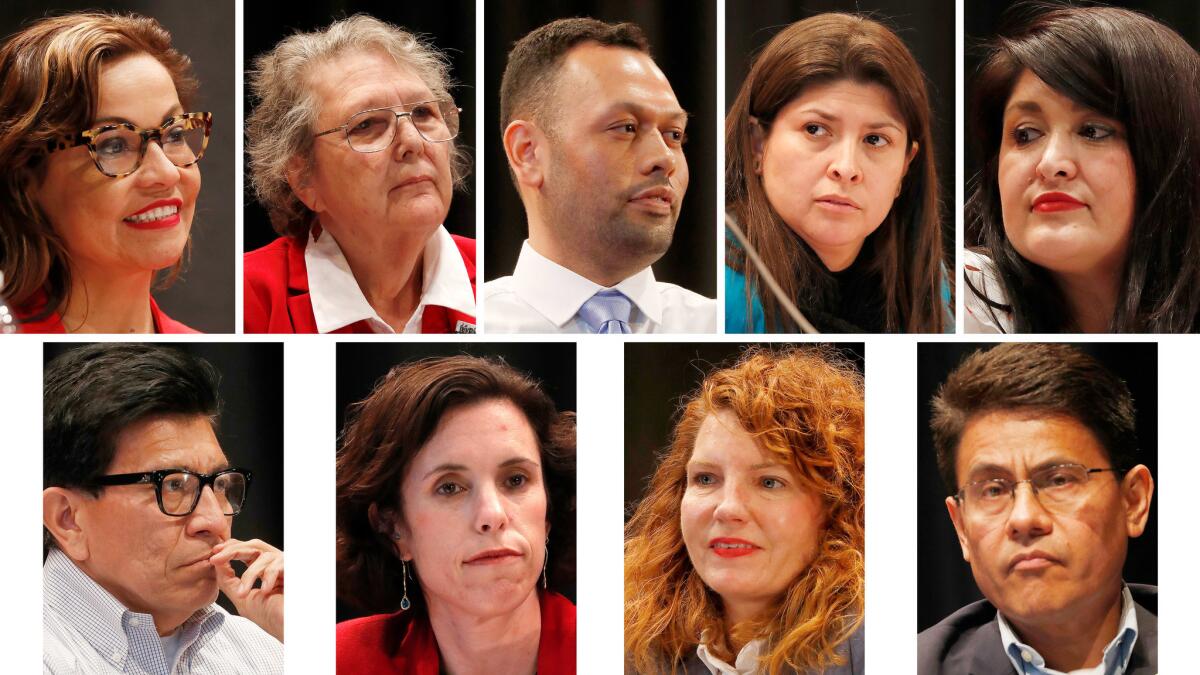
<point>805,407</point>
<point>49,86</point>
<point>905,253</point>
<point>386,430</point>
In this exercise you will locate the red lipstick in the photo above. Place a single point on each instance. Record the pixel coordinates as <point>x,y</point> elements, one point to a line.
<point>731,547</point>
<point>1053,202</point>
<point>156,215</point>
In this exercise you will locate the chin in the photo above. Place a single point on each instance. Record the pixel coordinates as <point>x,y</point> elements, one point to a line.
<point>499,597</point>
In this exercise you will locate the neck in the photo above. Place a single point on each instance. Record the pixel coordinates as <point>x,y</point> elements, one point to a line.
<point>103,302</point>
<point>507,643</point>
<point>838,258</point>
<point>1078,641</point>
<point>1092,299</point>
<point>597,267</point>
<point>738,612</point>
<point>389,273</point>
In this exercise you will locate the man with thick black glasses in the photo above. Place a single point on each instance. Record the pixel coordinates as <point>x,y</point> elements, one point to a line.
<point>1038,446</point>
<point>138,505</point>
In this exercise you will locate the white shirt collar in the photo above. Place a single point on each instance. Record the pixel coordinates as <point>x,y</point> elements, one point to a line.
<point>746,662</point>
<point>557,292</point>
<point>337,300</point>
<point>1026,659</point>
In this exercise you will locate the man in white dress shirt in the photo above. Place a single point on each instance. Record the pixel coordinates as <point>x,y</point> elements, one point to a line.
<point>594,138</point>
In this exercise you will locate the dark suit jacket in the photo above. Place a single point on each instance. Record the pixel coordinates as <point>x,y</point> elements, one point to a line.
<point>968,641</point>
<point>853,648</point>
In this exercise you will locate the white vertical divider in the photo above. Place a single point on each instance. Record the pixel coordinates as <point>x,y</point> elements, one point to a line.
<point>1178,471</point>
<point>600,479</point>
<point>309,438</point>
<point>891,376</point>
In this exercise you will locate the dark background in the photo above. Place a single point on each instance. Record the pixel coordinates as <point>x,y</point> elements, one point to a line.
<point>203,296</point>
<point>449,24</point>
<point>944,579</point>
<point>360,365</point>
<point>683,42</point>
<point>983,19</point>
<point>658,377</point>
<point>925,26</point>
<point>250,428</point>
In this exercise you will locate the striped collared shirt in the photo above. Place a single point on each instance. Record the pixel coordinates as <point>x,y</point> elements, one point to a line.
<point>1027,661</point>
<point>87,630</point>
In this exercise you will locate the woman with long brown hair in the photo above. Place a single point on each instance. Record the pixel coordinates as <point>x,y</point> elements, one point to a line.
<point>830,173</point>
<point>747,548</point>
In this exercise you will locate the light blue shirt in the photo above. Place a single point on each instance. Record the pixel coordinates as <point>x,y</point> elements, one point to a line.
<point>1026,660</point>
<point>87,630</point>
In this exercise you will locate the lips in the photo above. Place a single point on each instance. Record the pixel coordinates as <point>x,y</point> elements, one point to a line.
<point>493,556</point>
<point>837,203</point>
<point>1032,561</point>
<point>202,559</point>
<point>731,547</point>
<point>414,180</point>
<point>657,199</point>
<point>156,215</point>
<point>1053,202</point>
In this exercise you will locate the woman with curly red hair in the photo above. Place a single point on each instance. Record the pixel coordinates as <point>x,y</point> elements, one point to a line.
<point>746,554</point>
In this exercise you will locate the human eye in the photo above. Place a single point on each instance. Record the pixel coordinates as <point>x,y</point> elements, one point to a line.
<point>517,480</point>
<point>425,111</point>
<point>772,483</point>
<point>175,482</point>
<point>1023,135</point>
<point>703,479</point>
<point>1060,478</point>
<point>173,134</point>
<point>625,127</point>
<point>448,488</point>
<point>816,130</point>
<point>992,489</point>
<point>877,140</point>
<point>112,146</point>
<point>675,137</point>
<point>1095,132</point>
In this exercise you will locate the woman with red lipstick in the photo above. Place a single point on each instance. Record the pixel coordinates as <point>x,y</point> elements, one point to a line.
<point>352,151</point>
<point>746,553</point>
<point>455,524</point>
<point>830,173</point>
<point>1085,215</point>
<point>98,158</point>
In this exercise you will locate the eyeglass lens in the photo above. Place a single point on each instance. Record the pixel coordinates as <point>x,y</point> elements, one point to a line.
<point>119,150</point>
<point>1056,487</point>
<point>373,130</point>
<point>181,492</point>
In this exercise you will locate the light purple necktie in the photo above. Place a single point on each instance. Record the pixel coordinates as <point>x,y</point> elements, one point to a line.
<point>607,312</point>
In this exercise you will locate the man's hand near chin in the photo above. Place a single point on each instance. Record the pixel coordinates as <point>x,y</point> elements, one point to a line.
<point>263,605</point>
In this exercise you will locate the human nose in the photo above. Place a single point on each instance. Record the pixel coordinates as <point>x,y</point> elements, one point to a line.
<point>1028,518</point>
<point>732,507</point>
<point>844,165</point>
<point>156,170</point>
<point>1058,158</point>
<point>208,519</point>
<point>407,141</point>
<point>489,511</point>
<point>656,155</point>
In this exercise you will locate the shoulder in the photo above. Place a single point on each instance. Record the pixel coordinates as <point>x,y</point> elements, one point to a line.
<point>466,248</point>
<point>369,642</point>
<point>686,311</point>
<point>167,325</point>
<point>268,264</point>
<point>954,642</point>
<point>736,319</point>
<point>556,652</point>
<point>249,638</point>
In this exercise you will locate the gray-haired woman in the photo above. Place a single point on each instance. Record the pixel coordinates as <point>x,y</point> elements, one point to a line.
<point>352,152</point>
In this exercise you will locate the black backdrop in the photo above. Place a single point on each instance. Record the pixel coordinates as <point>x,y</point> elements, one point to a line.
<point>250,429</point>
<point>925,26</point>
<point>360,365</point>
<point>449,24</point>
<point>683,42</point>
<point>944,580</point>
<point>203,297</point>
<point>658,375</point>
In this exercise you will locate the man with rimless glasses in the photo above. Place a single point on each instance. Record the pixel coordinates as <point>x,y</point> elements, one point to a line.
<point>1037,443</point>
<point>138,505</point>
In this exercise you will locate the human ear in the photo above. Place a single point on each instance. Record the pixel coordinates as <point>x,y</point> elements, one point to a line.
<point>387,523</point>
<point>1137,489</point>
<point>523,146</point>
<point>758,141</point>
<point>956,517</point>
<point>912,154</point>
<point>297,178</point>
<point>60,511</point>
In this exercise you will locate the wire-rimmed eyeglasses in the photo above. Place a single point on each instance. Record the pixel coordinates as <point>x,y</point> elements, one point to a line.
<point>179,490</point>
<point>373,130</point>
<point>1057,487</point>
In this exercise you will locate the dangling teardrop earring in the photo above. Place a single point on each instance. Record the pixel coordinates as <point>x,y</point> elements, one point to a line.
<point>405,604</point>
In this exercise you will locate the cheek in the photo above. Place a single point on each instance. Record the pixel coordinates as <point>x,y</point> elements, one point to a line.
<point>694,518</point>
<point>1115,185</point>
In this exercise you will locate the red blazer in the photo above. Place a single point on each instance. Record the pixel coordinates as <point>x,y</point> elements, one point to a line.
<point>404,642</point>
<point>276,300</point>
<point>53,323</point>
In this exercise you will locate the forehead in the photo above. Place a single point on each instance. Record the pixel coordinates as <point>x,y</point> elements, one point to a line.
<point>855,102</point>
<point>136,88</point>
<point>479,436</point>
<point>722,441</point>
<point>360,80</point>
<point>168,441</point>
<point>593,78</point>
<point>1020,441</point>
<point>1031,94</point>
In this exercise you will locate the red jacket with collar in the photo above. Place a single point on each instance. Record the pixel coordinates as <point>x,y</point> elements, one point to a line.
<point>276,295</point>
<point>404,642</point>
<point>53,323</point>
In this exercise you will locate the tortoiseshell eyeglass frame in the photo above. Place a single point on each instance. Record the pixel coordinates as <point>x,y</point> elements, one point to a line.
<point>190,121</point>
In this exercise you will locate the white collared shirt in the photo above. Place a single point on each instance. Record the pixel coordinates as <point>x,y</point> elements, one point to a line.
<point>542,296</point>
<point>746,662</point>
<point>1027,661</point>
<point>337,300</point>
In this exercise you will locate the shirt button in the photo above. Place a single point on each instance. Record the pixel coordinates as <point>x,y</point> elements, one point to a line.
<point>1026,655</point>
<point>135,622</point>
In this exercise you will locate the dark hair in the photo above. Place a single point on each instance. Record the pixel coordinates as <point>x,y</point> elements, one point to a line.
<point>49,86</point>
<point>385,431</point>
<point>905,254</point>
<point>528,82</point>
<point>93,393</point>
<point>1044,379</point>
<point>1133,69</point>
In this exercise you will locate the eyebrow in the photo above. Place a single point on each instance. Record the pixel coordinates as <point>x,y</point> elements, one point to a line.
<point>834,118</point>
<point>755,467</point>
<point>449,467</point>
<point>642,110</point>
<point>171,112</point>
<point>991,468</point>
